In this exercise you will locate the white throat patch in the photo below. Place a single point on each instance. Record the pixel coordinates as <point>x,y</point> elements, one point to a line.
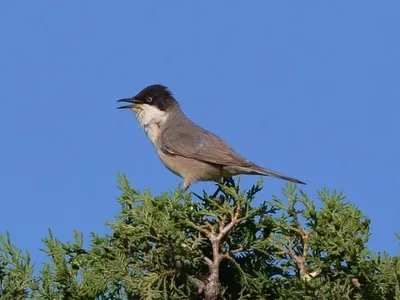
<point>150,119</point>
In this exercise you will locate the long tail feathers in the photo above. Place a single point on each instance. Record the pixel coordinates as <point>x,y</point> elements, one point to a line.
<point>261,171</point>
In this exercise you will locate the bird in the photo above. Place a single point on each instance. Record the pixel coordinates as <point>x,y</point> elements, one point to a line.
<point>186,149</point>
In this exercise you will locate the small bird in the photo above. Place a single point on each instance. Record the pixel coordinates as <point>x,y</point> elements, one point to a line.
<point>185,148</point>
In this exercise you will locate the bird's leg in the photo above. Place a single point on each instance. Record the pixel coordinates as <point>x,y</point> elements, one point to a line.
<point>228,181</point>
<point>186,185</point>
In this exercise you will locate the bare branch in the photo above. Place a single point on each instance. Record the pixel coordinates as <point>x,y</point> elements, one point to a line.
<point>198,284</point>
<point>299,259</point>
<point>200,229</point>
<point>211,228</point>
<point>208,261</point>
<point>356,283</point>
<point>235,220</point>
<point>212,285</point>
<point>222,223</point>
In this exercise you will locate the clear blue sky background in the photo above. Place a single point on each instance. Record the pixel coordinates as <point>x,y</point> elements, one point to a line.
<point>308,88</point>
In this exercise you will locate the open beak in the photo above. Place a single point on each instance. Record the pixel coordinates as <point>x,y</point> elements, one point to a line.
<point>128,100</point>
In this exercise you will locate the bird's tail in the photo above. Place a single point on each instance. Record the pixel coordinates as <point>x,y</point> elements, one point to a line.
<point>256,170</point>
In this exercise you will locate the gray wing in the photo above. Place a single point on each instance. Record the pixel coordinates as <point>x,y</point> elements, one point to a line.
<point>192,141</point>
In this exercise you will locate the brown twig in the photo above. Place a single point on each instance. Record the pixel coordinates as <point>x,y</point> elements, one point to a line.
<point>211,287</point>
<point>356,283</point>
<point>300,259</point>
<point>199,284</point>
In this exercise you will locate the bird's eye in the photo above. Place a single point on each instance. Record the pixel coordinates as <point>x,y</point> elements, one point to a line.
<point>149,99</point>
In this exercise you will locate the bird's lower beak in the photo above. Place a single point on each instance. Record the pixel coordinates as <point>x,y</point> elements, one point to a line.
<point>128,100</point>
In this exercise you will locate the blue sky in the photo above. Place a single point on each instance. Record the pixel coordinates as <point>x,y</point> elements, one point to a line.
<point>310,89</point>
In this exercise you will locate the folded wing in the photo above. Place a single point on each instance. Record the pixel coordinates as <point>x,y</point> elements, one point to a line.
<point>192,141</point>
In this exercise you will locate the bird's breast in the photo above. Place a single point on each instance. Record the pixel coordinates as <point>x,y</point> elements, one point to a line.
<point>153,132</point>
<point>151,119</point>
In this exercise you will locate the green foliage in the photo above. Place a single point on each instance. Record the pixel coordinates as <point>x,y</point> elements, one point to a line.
<point>16,271</point>
<point>222,246</point>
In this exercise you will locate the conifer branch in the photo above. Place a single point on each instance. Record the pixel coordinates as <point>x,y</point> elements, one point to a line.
<point>211,287</point>
<point>299,259</point>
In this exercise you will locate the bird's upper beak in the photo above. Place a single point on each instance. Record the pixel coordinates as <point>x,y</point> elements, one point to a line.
<point>133,101</point>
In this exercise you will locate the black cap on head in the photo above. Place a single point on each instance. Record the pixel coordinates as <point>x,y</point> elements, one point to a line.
<point>156,95</point>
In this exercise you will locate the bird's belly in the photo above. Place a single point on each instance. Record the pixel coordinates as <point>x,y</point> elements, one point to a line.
<point>190,169</point>
<point>169,162</point>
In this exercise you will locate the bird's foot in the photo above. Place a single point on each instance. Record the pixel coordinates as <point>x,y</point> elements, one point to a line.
<point>228,181</point>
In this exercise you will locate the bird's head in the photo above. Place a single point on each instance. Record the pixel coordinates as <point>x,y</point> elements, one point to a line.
<point>158,96</point>
<point>151,105</point>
